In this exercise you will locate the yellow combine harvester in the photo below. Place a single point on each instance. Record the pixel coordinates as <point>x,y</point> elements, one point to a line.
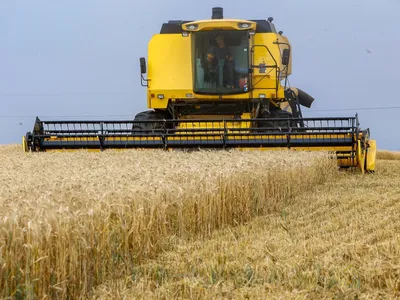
<point>221,84</point>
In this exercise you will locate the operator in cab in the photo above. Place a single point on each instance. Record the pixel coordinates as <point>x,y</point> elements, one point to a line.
<point>222,52</point>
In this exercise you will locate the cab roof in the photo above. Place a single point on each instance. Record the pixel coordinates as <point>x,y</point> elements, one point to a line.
<point>175,26</point>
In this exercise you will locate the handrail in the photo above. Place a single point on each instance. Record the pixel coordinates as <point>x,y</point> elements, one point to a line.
<point>276,67</point>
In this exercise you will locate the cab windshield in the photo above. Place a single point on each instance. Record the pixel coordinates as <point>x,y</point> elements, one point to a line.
<point>221,62</point>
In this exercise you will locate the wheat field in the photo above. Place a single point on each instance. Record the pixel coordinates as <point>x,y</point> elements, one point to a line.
<point>341,241</point>
<point>74,224</point>
<point>388,155</point>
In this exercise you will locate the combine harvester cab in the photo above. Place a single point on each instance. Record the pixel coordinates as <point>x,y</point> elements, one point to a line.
<point>217,84</point>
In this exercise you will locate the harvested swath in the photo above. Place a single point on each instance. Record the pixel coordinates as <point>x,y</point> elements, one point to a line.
<point>388,155</point>
<point>71,220</point>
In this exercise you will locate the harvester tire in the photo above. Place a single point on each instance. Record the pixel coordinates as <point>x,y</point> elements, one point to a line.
<point>276,125</point>
<point>150,115</point>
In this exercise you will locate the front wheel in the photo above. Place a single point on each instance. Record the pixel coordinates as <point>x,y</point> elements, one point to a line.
<point>155,121</point>
<point>272,124</point>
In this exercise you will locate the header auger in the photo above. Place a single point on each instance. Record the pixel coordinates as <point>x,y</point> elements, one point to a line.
<point>218,84</point>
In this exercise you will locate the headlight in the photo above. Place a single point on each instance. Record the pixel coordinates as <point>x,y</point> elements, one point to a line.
<point>244,25</point>
<point>192,27</point>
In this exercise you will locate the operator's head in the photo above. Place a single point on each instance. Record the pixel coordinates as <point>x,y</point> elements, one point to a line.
<point>220,41</point>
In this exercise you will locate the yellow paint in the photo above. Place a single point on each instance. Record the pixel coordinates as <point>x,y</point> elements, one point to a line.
<point>273,57</point>
<point>205,137</point>
<point>371,156</point>
<point>170,69</point>
<point>24,144</point>
<point>208,137</point>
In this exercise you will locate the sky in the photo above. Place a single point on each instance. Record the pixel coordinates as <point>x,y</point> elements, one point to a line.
<point>70,59</point>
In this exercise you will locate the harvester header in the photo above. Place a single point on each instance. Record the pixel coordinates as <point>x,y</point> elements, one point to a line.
<point>219,84</point>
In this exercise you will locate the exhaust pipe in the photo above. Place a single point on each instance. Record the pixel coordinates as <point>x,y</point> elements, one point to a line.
<point>217,13</point>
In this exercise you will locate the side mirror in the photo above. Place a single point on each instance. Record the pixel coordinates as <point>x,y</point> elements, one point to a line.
<point>285,57</point>
<point>143,65</point>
